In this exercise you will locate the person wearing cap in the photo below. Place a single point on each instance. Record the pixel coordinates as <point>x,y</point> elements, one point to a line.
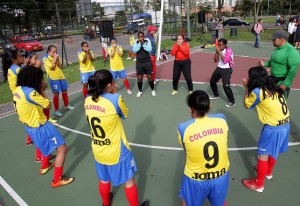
<point>284,62</point>
<point>150,35</point>
<point>257,30</point>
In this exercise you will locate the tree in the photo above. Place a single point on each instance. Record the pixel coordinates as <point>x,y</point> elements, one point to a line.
<point>220,5</point>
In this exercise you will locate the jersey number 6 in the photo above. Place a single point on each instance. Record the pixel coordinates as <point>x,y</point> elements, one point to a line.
<point>97,130</point>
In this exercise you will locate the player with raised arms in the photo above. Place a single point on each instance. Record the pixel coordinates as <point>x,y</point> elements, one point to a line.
<point>262,92</point>
<point>204,140</point>
<point>56,78</point>
<point>29,100</point>
<point>86,57</point>
<point>114,161</point>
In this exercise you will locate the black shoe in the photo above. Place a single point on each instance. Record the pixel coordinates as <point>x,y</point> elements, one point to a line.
<point>146,203</point>
<point>111,197</point>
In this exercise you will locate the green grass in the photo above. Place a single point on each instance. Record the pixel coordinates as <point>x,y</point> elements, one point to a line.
<point>71,73</point>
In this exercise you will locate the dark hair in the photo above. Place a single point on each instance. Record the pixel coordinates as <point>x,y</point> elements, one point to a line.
<point>224,41</point>
<point>129,32</point>
<point>113,38</point>
<point>98,82</point>
<point>7,58</point>
<point>140,32</point>
<point>84,42</point>
<point>259,20</point>
<point>199,101</point>
<point>181,36</point>
<point>258,77</point>
<point>29,54</point>
<point>32,77</point>
<point>50,47</point>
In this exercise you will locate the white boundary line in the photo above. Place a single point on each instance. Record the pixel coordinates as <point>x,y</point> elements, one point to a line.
<point>12,193</point>
<point>161,147</point>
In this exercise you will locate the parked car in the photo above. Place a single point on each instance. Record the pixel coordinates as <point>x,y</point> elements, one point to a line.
<point>5,43</point>
<point>27,43</point>
<point>235,22</point>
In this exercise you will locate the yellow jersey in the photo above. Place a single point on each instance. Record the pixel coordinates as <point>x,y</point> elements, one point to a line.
<point>131,40</point>
<point>107,132</point>
<point>55,74</point>
<point>12,74</point>
<point>29,105</point>
<point>205,142</point>
<point>87,66</point>
<point>116,62</point>
<point>272,111</point>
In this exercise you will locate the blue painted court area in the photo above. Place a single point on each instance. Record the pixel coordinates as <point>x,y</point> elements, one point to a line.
<point>151,126</point>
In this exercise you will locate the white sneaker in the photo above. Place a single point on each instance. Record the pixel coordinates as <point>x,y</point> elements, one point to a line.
<point>155,81</point>
<point>128,58</point>
<point>153,93</point>
<point>174,92</point>
<point>134,60</point>
<point>129,92</point>
<point>139,94</point>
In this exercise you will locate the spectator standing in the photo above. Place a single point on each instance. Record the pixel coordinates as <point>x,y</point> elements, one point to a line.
<point>258,28</point>
<point>297,35</point>
<point>284,62</point>
<point>292,30</point>
<point>220,29</point>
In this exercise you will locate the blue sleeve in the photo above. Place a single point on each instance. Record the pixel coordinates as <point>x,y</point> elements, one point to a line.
<point>136,47</point>
<point>181,129</point>
<point>147,46</point>
<point>27,91</point>
<point>218,115</point>
<point>114,99</point>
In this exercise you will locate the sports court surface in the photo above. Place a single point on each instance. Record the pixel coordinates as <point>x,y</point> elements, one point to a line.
<point>151,128</point>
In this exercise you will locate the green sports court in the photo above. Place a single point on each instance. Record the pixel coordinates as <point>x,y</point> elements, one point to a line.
<point>151,129</point>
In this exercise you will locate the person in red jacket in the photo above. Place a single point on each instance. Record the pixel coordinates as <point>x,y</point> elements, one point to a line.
<point>182,63</point>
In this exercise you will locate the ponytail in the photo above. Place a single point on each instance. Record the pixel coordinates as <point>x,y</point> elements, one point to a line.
<point>98,82</point>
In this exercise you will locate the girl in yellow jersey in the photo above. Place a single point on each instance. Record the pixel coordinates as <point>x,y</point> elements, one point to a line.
<point>114,160</point>
<point>29,102</point>
<point>56,78</point>
<point>33,60</point>
<point>262,92</point>
<point>12,63</point>
<point>204,140</point>
<point>86,57</point>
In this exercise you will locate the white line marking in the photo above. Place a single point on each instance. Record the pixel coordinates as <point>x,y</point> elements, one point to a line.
<point>12,193</point>
<point>161,147</point>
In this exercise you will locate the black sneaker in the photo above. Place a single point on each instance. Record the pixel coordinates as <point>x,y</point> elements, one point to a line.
<point>230,104</point>
<point>214,97</point>
<point>146,203</point>
<point>111,197</point>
